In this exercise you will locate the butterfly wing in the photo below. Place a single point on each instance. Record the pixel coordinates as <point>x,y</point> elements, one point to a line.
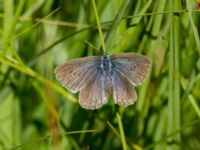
<point>123,92</point>
<point>95,94</point>
<point>76,74</point>
<point>133,66</point>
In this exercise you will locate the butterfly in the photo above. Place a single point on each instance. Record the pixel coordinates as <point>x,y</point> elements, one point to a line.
<point>97,78</point>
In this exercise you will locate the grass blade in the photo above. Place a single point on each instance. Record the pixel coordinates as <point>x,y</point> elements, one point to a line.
<point>116,23</point>
<point>194,28</point>
<point>11,30</point>
<point>33,74</point>
<point>121,130</point>
<point>174,78</point>
<point>194,104</point>
<point>99,26</point>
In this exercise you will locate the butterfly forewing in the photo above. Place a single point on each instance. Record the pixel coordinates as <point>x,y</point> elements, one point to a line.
<point>77,73</point>
<point>134,66</point>
<point>123,92</point>
<point>95,94</point>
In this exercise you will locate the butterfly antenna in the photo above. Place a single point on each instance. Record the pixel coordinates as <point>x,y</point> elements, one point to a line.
<point>99,52</point>
<point>91,45</point>
<point>116,42</point>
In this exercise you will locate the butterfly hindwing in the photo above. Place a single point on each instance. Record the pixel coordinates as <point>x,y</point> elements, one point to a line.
<point>77,73</point>
<point>123,92</point>
<point>134,66</point>
<point>95,94</point>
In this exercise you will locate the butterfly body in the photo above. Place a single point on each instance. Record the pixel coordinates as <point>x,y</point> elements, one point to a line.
<point>105,65</point>
<point>97,78</point>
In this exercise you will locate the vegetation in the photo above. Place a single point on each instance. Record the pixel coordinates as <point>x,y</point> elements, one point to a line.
<point>38,113</point>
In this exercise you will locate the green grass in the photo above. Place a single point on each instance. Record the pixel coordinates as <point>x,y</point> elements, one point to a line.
<point>38,113</point>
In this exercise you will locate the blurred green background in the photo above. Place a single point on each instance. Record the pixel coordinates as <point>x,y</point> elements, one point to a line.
<point>37,113</point>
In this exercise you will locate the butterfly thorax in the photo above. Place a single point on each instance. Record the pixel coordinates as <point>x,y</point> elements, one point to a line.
<point>105,65</point>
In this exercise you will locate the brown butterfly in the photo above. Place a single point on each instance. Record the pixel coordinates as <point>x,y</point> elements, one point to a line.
<point>97,78</point>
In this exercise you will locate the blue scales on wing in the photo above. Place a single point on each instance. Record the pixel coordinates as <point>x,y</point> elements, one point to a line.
<point>133,66</point>
<point>96,93</point>
<point>123,92</point>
